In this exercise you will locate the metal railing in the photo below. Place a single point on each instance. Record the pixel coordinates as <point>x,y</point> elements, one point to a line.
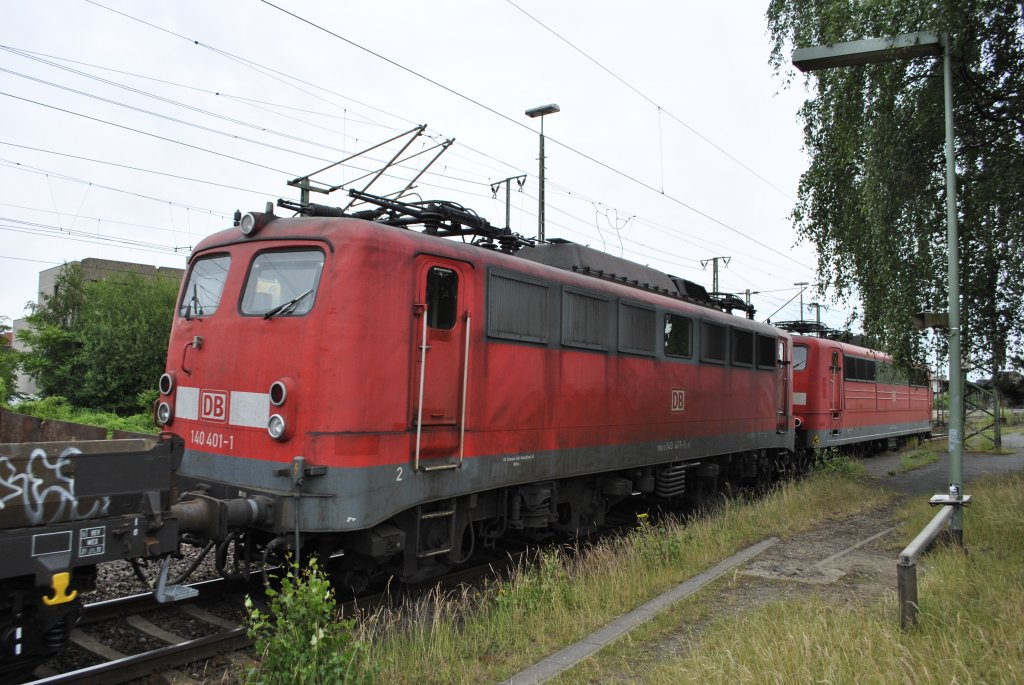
<point>906,568</point>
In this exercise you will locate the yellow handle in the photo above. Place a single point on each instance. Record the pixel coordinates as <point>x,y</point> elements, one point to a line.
<point>60,584</point>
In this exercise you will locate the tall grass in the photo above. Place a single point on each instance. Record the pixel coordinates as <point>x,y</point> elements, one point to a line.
<point>490,635</point>
<point>970,628</point>
<point>922,455</point>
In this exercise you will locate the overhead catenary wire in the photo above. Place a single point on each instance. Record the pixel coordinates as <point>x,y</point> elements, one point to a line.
<point>273,73</point>
<point>520,124</point>
<point>136,168</point>
<point>661,110</point>
<point>449,177</point>
<point>146,133</point>
<point>52,174</point>
<point>264,69</point>
<point>36,228</point>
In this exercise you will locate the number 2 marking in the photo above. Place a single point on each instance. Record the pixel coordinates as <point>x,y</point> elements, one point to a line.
<point>398,479</point>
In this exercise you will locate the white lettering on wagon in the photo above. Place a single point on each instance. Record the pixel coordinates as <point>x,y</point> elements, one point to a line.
<point>517,459</point>
<point>673,445</point>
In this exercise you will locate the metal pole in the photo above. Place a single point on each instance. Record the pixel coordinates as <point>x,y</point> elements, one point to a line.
<point>508,202</point>
<point>817,311</point>
<point>508,194</point>
<point>906,588</point>
<point>956,381</point>
<point>540,209</point>
<point>803,285</point>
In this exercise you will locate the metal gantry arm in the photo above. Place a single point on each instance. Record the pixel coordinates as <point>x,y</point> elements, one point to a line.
<point>303,182</point>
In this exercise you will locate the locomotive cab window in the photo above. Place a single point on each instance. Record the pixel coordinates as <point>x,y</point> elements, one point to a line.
<point>282,283</point>
<point>202,293</point>
<point>799,357</point>
<point>678,336</point>
<point>442,298</point>
<point>714,342</point>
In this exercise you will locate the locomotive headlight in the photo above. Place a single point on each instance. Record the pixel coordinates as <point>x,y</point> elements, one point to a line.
<point>164,413</point>
<point>278,393</point>
<point>166,384</point>
<point>248,225</point>
<point>254,221</point>
<point>276,427</point>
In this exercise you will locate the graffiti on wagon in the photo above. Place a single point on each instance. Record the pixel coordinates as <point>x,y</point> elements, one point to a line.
<point>40,489</point>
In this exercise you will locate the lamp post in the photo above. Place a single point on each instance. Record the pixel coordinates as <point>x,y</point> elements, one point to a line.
<point>533,114</point>
<point>906,46</point>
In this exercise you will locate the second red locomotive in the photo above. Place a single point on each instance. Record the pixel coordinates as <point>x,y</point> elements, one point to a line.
<point>846,396</point>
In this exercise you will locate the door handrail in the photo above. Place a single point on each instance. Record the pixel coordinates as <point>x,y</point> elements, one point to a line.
<point>422,310</point>
<point>465,384</point>
<point>419,410</point>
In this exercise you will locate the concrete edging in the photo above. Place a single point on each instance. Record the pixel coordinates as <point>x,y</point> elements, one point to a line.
<point>556,663</point>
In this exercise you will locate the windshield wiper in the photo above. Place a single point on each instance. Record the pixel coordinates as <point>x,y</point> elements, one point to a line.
<point>286,307</point>
<point>193,304</point>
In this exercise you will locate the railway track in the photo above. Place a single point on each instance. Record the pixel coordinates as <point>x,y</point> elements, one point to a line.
<point>125,639</point>
<point>131,638</point>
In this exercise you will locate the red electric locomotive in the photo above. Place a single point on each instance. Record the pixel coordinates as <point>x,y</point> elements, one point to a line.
<point>851,397</point>
<point>358,386</point>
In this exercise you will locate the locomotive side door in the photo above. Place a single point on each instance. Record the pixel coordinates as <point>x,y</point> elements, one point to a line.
<point>441,325</point>
<point>835,382</point>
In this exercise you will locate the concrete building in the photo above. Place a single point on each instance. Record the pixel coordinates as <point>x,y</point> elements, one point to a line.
<point>94,269</point>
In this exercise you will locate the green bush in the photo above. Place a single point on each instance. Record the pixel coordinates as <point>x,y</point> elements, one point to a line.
<point>302,640</point>
<point>57,408</point>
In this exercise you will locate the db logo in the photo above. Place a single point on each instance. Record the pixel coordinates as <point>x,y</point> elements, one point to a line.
<point>678,400</point>
<point>213,405</point>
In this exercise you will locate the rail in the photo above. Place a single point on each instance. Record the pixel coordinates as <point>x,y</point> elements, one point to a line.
<point>906,568</point>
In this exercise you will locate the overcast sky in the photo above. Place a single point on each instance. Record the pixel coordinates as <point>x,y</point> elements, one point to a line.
<point>131,130</point>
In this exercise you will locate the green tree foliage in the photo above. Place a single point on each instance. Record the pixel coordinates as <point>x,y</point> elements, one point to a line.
<point>873,199</point>
<point>8,366</point>
<point>100,344</point>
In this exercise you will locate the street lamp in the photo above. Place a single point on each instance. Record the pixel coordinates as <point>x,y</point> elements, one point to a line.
<point>533,114</point>
<point>906,46</point>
